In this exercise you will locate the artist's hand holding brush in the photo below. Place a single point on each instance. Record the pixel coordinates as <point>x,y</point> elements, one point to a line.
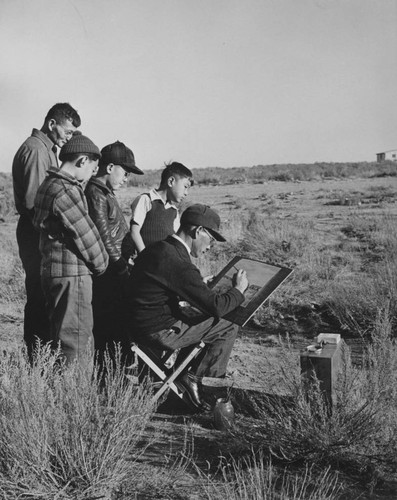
<point>240,280</point>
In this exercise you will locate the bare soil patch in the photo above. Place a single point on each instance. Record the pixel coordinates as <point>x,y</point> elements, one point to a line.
<point>257,355</point>
<point>327,204</point>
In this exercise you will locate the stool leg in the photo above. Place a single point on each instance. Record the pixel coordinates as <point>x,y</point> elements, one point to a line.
<point>152,362</point>
<point>169,382</point>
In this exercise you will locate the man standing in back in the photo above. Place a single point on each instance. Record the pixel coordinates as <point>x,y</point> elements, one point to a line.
<point>31,163</point>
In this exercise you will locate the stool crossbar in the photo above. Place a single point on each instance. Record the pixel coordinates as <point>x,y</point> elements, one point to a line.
<point>157,365</point>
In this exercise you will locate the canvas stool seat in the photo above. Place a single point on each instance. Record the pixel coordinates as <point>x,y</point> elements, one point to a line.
<point>158,364</point>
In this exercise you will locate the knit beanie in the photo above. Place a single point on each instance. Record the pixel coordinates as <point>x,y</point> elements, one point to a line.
<point>78,144</point>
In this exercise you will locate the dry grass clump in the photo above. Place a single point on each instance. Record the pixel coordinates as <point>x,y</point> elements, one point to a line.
<point>7,206</point>
<point>281,172</point>
<point>12,275</point>
<point>301,427</point>
<point>356,435</point>
<point>380,371</point>
<point>357,299</point>
<point>62,436</point>
<point>256,478</point>
<point>293,243</point>
<point>345,275</point>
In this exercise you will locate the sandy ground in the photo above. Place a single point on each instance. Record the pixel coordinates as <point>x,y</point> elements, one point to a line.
<point>256,357</point>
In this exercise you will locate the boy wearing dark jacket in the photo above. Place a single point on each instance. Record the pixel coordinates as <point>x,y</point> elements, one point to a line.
<point>116,162</point>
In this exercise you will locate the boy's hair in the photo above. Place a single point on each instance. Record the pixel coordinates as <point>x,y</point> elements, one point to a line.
<point>102,168</point>
<point>63,111</point>
<point>175,169</point>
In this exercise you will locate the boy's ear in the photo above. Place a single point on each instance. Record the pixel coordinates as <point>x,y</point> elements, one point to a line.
<point>109,168</point>
<point>170,181</point>
<point>80,162</point>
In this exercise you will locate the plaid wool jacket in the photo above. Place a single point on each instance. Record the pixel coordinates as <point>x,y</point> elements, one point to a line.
<point>70,244</point>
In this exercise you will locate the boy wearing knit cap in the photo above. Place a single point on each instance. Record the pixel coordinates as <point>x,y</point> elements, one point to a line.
<point>117,161</point>
<point>71,248</point>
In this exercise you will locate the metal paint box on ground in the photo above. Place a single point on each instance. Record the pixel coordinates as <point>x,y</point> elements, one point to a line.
<point>324,362</point>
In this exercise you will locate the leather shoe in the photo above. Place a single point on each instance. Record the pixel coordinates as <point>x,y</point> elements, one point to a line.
<point>190,383</point>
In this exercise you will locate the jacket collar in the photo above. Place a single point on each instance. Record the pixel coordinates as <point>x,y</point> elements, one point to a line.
<point>54,172</point>
<point>101,185</point>
<point>154,195</point>
<point>43,138</point>
<point>180,246</point>
<point>177,238</point>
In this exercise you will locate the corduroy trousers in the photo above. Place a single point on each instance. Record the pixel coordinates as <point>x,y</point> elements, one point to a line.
<point>68,302</point>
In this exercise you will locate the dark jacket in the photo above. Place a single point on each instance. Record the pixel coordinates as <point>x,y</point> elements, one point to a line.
<point>109,219</point>
<point>162,276</point>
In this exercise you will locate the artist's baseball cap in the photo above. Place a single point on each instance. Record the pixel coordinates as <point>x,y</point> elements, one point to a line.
<point>79,144</point>
<point>119,154</point>
<point>202,215</point>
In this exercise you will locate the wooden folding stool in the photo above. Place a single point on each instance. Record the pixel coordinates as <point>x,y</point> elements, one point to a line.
<point>157,365</point>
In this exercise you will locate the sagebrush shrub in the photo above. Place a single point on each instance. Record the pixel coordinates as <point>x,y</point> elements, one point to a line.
<point>64,436</point>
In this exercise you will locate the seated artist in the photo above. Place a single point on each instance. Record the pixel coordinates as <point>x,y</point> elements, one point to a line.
<point>162,277</point>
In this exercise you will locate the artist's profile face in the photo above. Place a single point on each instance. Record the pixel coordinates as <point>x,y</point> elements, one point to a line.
<point>202,242</point>
<point>178,188</point>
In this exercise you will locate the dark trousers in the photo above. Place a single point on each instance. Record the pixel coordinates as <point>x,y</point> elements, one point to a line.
<point>108,317</point>
<point>219,337</point>
<point>36,323</point>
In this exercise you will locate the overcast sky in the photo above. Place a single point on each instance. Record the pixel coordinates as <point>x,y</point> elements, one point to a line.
<point>206,82</point>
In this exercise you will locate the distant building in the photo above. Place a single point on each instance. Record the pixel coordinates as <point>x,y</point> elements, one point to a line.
<point>387,155</point>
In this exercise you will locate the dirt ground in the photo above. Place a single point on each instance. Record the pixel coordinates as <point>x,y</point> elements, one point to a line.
<point>256,355</point>
<point>326,203</point>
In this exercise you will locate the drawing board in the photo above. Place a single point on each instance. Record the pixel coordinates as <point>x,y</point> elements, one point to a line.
<point>263,280</point>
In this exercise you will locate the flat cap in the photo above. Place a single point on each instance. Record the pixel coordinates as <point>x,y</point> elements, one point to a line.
<point>202,215</point>
<point>119,154</point>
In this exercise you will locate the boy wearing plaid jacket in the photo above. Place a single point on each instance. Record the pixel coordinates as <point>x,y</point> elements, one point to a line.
<point>71,248</point>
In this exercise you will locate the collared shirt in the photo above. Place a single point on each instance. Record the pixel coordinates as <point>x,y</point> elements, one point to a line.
<point>70,244</point>
<point>181,240</point>
<point>143,204</point>
<point>31,163</point>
